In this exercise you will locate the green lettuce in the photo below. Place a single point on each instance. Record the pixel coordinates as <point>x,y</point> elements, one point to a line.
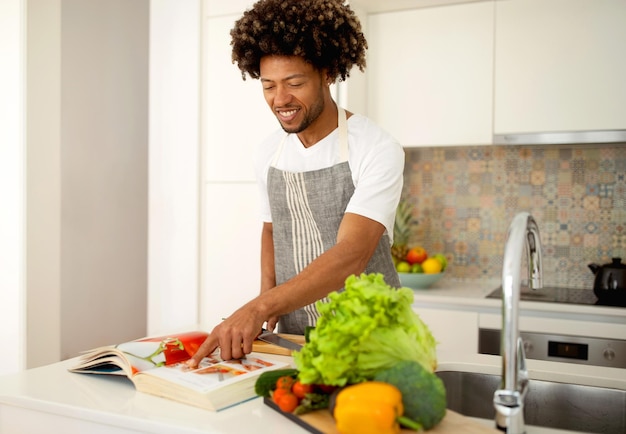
<point>365,328</point>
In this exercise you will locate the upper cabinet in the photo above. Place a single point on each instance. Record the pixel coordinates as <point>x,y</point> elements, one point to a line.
<point>430,74</point>
<point>235,115</point>
<point>560,65</point>
<point>376,6</point>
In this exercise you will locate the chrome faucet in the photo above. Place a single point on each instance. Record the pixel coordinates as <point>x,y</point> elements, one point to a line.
<point>509,399</point>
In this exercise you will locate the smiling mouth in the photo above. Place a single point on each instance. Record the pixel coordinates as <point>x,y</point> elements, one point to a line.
<point>287,115</point>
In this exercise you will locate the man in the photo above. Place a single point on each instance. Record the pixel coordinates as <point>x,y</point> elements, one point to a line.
<point>330,180</point>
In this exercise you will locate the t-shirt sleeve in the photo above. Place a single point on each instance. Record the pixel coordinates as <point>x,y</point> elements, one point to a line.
<point>379,182</point>
<point>263,158</point>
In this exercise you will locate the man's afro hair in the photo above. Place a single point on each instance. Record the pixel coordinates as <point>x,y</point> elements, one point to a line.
<point>325,33</point>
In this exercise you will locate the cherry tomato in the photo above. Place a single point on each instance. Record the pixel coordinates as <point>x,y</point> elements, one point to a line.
<point>285,383</point>
<point>300,390</point>
<point>288,402</point>
<point>278,393</point>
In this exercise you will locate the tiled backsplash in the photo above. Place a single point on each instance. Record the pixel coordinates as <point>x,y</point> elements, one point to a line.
<point>466,197</point>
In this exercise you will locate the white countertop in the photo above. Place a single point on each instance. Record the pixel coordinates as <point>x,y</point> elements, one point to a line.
<point>470,296</point>
<point>473,293</point>
<point>34,400</point>
<point>31,400</point>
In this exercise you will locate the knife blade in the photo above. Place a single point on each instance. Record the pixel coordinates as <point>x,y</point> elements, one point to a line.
<point>273,338</point>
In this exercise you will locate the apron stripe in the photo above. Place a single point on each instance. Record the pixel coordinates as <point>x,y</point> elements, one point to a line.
<point>306,237</point>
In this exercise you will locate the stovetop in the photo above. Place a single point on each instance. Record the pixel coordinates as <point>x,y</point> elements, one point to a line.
<point>551,294</point>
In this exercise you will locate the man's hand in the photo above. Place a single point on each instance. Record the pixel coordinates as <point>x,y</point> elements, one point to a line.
<point>271,324</point>
<point>234,336</point>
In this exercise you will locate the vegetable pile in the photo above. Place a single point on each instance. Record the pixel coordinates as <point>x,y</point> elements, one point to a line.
<point>368,327</point>
<point>370,360</point>
<point>290,394</point>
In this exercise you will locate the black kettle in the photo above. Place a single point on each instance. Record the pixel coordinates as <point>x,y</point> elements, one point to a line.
<point>610,282</point>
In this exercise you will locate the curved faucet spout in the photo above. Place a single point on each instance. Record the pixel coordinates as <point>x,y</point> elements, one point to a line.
<point>509,399</point>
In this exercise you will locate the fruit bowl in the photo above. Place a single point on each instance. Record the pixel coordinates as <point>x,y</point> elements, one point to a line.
<point>419,280</point>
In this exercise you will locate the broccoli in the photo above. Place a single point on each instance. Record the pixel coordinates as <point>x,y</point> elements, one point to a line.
<point>423,393</point>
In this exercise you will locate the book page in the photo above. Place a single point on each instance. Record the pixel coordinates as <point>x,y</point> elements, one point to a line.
<point>136,356</point>
<point>213,373</point>
<point>150,353</point>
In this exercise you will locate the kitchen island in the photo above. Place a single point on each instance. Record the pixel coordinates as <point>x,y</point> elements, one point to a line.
<point>50,398</point>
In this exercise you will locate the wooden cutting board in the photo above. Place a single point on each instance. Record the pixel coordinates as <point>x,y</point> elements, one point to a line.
<point>264,347</point>
<point>321,422</point>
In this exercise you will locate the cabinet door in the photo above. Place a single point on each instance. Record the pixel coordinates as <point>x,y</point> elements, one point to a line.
<point>235,115</point>
<point>231,250</point>
<point>560,65</point>
<point>455,331</point>
<point>430,74</point>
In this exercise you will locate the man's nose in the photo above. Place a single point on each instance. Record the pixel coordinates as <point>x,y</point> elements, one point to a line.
<point>283,96</point>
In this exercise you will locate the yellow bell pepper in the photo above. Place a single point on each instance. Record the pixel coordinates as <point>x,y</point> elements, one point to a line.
<point>371,407</point>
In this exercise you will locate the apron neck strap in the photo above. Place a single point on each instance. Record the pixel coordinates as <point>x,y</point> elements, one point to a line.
<point>342,126</point>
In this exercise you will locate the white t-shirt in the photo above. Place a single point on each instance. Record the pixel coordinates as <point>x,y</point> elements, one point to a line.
<point>376,161</point>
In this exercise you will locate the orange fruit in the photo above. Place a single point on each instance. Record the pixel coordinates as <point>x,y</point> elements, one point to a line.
<point>431,266</point>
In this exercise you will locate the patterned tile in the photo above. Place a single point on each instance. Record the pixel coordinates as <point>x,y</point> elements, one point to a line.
<point>466,197</point>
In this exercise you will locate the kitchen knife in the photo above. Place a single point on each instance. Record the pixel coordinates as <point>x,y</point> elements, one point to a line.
<point>273,338</point>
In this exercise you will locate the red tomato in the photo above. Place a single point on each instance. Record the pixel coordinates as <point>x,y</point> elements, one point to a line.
<point>416,255</point>
<point>300,390</point>
<point>288,402</point>
<point>285,382</point>
<point>278,394</point>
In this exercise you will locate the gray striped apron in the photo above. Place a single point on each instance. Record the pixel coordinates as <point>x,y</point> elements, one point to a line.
<point>307,208</point>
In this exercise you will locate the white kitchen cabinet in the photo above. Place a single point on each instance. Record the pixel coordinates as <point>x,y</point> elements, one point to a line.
<point>455,330</point>
<point>430,74</point>
<point>235,115</point>
<point>560,65</point>
<point>231,247</point>
<point>376,6</point>
<point>235,120</point>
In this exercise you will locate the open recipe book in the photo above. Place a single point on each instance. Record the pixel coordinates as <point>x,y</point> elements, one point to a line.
<point>157,366</point>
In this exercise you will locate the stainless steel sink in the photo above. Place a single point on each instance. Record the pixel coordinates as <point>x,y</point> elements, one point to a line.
<point>548,404</point>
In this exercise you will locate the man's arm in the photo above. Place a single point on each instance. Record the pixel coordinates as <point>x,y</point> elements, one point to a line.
<point>268,272</point>
<point>357,240</point>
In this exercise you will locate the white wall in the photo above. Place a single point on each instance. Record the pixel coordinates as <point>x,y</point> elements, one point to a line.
<point>104,162</point>
<point>73,176</point>
<point>12,184</point>
<point>43,221</point>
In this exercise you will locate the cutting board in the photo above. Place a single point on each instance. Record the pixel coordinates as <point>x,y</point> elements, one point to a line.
<point>264,347</point>
<point>321,422</point>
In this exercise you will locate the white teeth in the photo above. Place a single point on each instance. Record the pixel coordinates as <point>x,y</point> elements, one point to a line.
<point>289,113</point>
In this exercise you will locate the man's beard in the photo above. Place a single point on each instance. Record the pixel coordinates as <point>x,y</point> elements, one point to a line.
<point>316,110</point>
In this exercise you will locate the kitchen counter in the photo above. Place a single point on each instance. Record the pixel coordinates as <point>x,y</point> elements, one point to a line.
<point>462,297</point>
<point>33,401</point>
<point>473,293</point>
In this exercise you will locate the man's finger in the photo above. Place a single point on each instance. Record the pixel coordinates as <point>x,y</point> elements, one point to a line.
<point>208,346</point>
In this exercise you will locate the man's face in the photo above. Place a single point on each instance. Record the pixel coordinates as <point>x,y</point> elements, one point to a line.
<point>294,90</point>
